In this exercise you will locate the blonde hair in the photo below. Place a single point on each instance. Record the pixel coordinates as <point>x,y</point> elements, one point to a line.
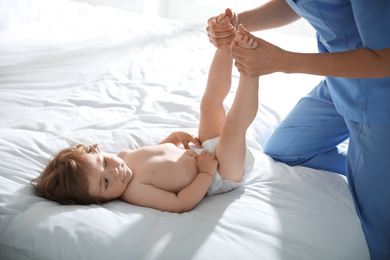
<point>64,178</point>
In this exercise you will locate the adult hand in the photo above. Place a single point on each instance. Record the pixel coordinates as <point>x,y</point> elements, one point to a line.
<point>265,59</point>
<point>222,35</point>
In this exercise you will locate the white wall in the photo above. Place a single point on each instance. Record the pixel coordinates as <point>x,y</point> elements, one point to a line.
<point>197,11</point>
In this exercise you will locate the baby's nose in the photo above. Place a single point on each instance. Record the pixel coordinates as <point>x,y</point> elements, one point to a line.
<point>116,172</point>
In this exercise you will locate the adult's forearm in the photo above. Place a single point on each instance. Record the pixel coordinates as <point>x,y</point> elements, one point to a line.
<point>359,63</point>
<point>273,14</point>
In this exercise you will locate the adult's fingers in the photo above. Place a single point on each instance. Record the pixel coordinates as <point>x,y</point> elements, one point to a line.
<point>221,34</point>
<point>222,42</point>
<point>213,25</point>
<point>221,38</point>
<point>239,53</point>
<point>241,68</point>
<point>248,71</point>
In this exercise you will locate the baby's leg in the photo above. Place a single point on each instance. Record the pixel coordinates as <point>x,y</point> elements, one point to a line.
<point>218,85</point>
<point>231,149</point>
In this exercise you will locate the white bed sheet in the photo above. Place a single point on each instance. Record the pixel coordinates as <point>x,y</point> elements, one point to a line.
<point>70,72</point>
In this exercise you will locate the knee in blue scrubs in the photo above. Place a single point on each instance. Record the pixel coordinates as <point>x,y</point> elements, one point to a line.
<point>310,134</point>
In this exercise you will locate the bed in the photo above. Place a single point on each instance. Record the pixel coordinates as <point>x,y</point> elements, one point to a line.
<point>71,72</point>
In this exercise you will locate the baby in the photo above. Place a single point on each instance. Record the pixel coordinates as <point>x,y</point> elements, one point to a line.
<point>166,176</point>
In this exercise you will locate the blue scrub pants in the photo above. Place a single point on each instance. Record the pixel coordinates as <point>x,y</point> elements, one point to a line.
<point>309,136</point>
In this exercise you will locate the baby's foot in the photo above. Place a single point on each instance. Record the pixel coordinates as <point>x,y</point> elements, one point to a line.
<point>245,40</point>
<point>225,17</point>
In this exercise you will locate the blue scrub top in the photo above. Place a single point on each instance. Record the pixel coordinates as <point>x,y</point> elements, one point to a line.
<point>344,25</point>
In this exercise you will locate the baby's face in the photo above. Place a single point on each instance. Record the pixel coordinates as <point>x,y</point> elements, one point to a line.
<point>108,176</point>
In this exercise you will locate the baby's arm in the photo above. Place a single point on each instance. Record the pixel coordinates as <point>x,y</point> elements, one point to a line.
<point>180,137</point>
<point>146,195</point>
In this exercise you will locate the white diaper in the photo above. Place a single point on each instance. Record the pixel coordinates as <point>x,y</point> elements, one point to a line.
<point>220,185</point>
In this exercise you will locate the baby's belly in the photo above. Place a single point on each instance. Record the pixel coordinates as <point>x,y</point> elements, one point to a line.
<point>174,170</point>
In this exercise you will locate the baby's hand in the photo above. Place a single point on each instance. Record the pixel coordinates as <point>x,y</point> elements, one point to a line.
<point>185,138</point>
<point>207,163</point>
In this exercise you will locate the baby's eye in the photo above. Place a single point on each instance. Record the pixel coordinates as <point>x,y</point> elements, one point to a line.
<point>105,162</point>
<point>105,183</point>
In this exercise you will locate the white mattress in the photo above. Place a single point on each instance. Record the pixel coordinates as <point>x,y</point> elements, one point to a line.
<point>70,72</point>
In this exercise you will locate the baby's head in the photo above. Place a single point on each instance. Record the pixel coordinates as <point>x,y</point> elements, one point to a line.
<point>65,177</point>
